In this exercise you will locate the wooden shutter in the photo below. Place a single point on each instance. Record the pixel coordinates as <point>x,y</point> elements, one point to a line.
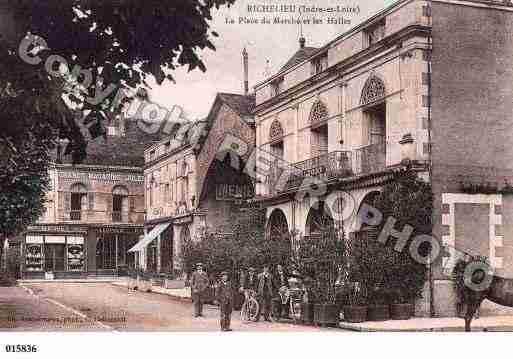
<point>67,201</point>
<point>132,203</point>
<point>91,201</point>
<point>108,200</point>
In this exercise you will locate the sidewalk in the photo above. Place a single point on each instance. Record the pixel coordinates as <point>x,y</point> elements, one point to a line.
<point>483,324</point>
<point>180,294</point>
<point>449,324</point>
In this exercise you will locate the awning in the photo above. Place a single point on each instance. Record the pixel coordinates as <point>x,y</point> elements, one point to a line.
<point>159,228</point>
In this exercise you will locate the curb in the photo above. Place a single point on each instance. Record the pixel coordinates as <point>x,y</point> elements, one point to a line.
<point>171,296</point>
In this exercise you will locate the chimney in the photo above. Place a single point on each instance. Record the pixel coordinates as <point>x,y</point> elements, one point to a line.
<point>245,64</point>
<point>302,42</point>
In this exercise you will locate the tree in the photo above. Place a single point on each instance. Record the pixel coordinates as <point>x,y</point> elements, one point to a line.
<point>102,43</point>
<point>409,200</point>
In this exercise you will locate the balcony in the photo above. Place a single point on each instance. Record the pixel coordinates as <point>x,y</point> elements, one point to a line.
<point>371,158</point>
<point>117,216</point>
<point>331,165</point>
<point>337,164</point>
<point>75,215</point>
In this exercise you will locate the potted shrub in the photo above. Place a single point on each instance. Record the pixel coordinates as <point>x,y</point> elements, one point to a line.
<point>378,309</point>
<point>401,308</point>
<point>320,258</point>
<point>356,310</point>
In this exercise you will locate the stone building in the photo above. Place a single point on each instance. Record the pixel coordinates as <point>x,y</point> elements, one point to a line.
<point>348,115</point>
<point>94,210</point>
<point>190,186</point>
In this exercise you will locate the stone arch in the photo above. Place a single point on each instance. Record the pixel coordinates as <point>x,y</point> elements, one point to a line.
<point>78,187</point>
<point>318,112</point>
<point>120,190</point>
<point>276,131</point>
<point>277,226</point>
<point>319,218</point>
<point>373,90</point>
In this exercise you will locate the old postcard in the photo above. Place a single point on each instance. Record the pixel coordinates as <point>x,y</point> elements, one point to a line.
<point>328,166</point>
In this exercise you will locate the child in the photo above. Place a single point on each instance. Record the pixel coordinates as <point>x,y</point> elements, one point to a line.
<point>225,299</point>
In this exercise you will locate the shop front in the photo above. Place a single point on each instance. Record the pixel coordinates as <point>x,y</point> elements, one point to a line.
<point>66,251</point>
<point>50,255</point>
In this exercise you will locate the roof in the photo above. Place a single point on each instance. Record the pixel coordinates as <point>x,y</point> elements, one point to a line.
<point>301,55</point>
<point>119,150</point>
<point>242,104</point>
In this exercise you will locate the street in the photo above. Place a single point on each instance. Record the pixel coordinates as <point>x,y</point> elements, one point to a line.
<point>105,307</point>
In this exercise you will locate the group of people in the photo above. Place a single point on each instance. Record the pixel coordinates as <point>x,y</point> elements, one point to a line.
<point>264,286</point>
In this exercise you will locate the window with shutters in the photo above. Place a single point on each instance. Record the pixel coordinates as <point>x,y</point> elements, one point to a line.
<point>374,33</point>
<point>319,129</point>
<point>319,63</point>
<point>119,203</point>
<point>76,201</point>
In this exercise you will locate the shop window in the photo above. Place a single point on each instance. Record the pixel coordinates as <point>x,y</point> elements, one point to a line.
<point>34,257</point>
<point>75,257</point>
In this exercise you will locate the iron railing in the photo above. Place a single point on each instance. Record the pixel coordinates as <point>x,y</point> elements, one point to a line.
<point>330,165</point>
<point>371,158</point>
<point>117,216</point>
<point>75,215</point>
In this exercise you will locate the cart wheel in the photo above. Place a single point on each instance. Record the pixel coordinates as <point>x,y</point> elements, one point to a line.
<point>253,309</point>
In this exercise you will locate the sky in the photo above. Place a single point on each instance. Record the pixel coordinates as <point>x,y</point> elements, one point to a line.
<point>195,91</point>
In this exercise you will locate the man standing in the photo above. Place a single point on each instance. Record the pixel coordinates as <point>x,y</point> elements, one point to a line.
<point>265,293</point>
<point>250,282</point>
<point>281,282</point>
<point>199,284</point>
<point>225,300</point>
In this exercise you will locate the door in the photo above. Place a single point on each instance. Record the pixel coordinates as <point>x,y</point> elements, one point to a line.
<point>54,257</point>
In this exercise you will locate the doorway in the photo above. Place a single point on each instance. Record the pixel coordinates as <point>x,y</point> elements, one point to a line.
<point>54,257</point>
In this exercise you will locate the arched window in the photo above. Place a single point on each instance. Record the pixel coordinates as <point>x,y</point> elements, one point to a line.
<point>319,134</point>
<point>275,131</point>
<point>319,220</point>
<point>318,113</point>
<point>119,203</point>
<point>373,90</point>
<point>78,202</point>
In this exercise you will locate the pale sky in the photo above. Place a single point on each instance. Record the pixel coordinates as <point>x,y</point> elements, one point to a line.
<point>195,91</point>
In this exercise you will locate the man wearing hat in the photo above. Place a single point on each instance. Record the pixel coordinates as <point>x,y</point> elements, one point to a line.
<point>265,293</point>
<point>199,283</point>
<point>224,297</point>
<point>249,282</point>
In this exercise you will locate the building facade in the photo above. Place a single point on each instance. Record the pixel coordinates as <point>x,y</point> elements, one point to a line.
<point>94,211</point>
<point>415,85</point>
<point>190,186</point>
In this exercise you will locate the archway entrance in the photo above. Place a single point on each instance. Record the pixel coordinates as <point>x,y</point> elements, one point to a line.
<point>319,220</point>
<point>277,227</point>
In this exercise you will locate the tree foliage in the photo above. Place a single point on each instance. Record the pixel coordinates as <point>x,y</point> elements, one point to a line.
<point>386,272</point>
<point>121,43</point>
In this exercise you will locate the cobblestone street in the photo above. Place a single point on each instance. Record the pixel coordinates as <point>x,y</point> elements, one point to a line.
<point>102,306</point>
